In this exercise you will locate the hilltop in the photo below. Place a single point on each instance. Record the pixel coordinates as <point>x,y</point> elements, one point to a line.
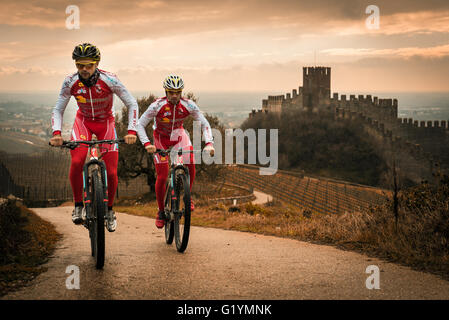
<point>319,145</point>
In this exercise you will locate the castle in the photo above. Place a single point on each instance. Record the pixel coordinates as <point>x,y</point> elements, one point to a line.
<point>314,94</point>
<point>417,147</point>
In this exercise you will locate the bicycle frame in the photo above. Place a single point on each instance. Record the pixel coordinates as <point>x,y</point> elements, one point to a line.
<point>94,161</point>
<point>95,202</point>
<point>175,164</point>
<point>177,211</point>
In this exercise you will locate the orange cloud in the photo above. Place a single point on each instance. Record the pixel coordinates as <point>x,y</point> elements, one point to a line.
<point>224,44</point>
<point>431,52</point>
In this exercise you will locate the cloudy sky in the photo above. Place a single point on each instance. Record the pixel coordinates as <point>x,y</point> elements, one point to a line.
<point>230,45</point>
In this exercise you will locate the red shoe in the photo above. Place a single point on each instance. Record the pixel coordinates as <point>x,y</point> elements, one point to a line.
<point>192,206</point>
<point>160,220</point>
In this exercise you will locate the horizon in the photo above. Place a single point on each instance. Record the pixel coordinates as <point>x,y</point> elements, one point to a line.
<point>235,91</point>
<point>420,105</point>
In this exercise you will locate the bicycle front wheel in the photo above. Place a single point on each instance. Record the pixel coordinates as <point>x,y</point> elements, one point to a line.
<point>182,212</point>
<point>98,210</point>
<point>169,224</point>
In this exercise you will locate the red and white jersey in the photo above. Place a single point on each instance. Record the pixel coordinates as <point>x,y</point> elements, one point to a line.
<point>95,102</point>
<point>168,118</point>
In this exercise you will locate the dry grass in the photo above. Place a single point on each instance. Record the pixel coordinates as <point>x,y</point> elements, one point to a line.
<point>26,248</point>
<point>415,241</point>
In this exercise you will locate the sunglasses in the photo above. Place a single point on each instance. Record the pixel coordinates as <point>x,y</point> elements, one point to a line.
<point>89,65</point>
<point>173,91</point>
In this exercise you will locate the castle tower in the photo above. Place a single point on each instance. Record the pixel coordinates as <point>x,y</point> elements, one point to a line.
<point>316,87</point>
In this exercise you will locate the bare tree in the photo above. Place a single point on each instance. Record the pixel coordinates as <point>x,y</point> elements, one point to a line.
<point>134,161</point>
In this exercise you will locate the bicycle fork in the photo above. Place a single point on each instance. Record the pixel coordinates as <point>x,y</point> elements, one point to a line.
<point>86,186</point>
<point>170,214</point>
<point>173,196</point>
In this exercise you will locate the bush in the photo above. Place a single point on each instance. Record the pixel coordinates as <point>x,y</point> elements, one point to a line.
<point>12,234</point>
<point>320,145</point>
<point>253,209</point>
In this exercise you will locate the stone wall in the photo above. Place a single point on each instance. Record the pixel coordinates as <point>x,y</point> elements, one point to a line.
<point>418,145</point>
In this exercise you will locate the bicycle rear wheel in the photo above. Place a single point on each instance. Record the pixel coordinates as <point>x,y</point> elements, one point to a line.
<point>182,212</point>
<point>91,236</point>
<point>97,225</point>
<point>169,224</point>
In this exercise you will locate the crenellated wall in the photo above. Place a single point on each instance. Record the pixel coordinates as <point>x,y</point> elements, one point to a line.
<point>273,103</point>
<point>316,87</point>
<point>432,136</point>
<point>417,145</point>
<point>379,109</point>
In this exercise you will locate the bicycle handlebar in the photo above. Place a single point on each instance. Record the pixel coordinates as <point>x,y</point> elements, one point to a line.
<point>180,151</point>
<point>76,143</point>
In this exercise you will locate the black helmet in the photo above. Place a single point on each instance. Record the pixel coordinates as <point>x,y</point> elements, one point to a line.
<point>86,50</point>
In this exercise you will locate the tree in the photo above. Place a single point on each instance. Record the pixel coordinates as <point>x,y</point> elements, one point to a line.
<point>212,172</point>
<point>320,145</point>
<point>134,160</point>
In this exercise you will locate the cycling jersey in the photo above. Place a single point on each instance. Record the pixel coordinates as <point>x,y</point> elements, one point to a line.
<point>166,120</point>
<point>94,116</point>
<point>83,130</point>
<point>182,141</point>
<point>95,102</point>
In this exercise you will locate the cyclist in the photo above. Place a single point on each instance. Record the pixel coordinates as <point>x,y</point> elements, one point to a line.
<point>169,113</point>
<point>93,90</point>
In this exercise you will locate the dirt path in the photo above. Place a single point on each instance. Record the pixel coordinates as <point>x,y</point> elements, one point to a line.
<point>261,197</point>
<point>218,264</point>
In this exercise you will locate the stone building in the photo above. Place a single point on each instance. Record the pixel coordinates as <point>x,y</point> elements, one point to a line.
<point>416,146</point>
<point>312,96</point>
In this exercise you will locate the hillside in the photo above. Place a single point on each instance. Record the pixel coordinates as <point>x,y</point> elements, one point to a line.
<point>18,142</point>
<point>26,242</point>
<point>317,144</point>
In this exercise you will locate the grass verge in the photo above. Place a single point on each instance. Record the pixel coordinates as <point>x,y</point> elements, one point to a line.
<point>26,242</point>
<point>417,240</point>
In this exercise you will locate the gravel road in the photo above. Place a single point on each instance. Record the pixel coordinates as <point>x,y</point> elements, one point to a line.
<point>261,197</point>
<point>217,264</point>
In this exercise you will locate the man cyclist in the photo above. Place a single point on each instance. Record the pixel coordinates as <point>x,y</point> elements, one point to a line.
<point>169,113</point>
<point>93,90</point>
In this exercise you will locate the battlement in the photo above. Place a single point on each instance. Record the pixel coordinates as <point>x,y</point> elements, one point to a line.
<point>427,141</point>
<point>385,103</point>
<point>321,71</point>
<point>279,98</point>
<point>273,103</point>
<point>254,111</point>
<point>316,84</point>
<point>436,124</point>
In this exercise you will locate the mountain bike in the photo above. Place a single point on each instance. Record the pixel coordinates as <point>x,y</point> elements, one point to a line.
<point>177,200</point>
<point>95,194</point>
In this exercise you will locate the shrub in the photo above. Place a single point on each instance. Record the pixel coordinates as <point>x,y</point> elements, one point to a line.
<point>12,233</point>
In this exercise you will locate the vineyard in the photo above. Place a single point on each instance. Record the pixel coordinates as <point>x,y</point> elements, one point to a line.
<point>43,177</point>
<point>311,194</point>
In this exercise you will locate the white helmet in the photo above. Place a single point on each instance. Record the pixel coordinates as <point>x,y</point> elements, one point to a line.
<point>173,82</point>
